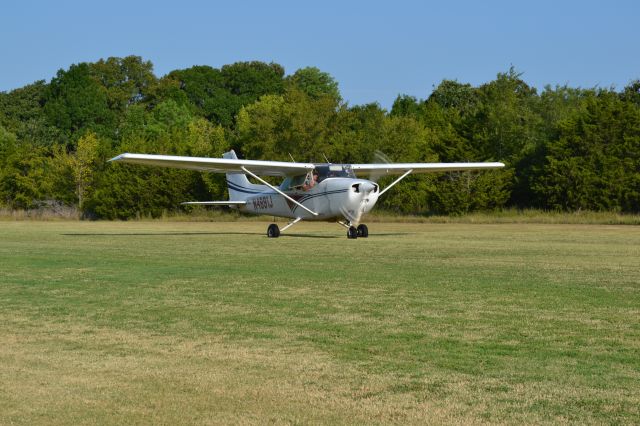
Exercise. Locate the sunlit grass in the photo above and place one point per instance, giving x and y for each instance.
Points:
(171, 322)
(206, 214)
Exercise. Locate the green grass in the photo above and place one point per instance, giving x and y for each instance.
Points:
(205, 214)
(170, 322)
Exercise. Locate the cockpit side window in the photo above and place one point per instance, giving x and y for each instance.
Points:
(293, 182)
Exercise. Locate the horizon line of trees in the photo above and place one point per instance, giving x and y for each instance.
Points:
(565, 148)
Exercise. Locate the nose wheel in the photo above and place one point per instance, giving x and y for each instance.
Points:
(361, 231)
(352, 233)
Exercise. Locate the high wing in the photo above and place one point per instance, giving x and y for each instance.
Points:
(218, 165)
(400, 168)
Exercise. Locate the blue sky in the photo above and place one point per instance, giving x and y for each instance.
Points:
(375, 50)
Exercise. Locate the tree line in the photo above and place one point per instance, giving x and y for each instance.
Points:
(565, 148)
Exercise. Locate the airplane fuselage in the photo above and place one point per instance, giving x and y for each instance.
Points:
(332, 198)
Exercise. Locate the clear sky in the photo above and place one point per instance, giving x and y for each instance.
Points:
(375, 50)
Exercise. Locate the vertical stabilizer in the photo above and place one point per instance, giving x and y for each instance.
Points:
(238, 184)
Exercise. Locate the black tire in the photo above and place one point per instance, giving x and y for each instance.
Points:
(363, 231)
(273, 231)
(352, 232)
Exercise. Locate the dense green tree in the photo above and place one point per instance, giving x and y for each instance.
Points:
(359, 134)
(24, 180)
(250, 80)
(565, 148)
(76, 101)
(631, 93)
(206, 91)
(593, 163)
(405, 105)
(407, 140)
(125, 80)
(203, 139)
(123, 191)
(292, 124)
(257, 128)
(21, 112)
(315, 83)
(460, 97)
(84, 165)
(505, 124)
(218, 94)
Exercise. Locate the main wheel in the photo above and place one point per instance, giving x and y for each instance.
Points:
(273, 231)
(352, 232)
(363, 231)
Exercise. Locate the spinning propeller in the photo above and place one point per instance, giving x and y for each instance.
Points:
(378, 157)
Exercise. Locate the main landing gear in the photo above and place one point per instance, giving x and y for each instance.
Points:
(352, 232)
(273, 231)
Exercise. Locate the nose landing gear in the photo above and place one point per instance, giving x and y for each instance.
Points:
(363, 231)
(352, 232)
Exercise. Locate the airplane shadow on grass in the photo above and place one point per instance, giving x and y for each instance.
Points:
(168, 234)
(151, 234)
(182, 234)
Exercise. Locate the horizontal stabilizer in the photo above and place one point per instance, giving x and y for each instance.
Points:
(214, 203)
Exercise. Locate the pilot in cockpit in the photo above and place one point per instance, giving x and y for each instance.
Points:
(311, 181)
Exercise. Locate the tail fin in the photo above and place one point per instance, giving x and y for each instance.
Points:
(238, 185)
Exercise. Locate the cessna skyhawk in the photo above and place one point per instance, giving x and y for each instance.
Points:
(309, 191)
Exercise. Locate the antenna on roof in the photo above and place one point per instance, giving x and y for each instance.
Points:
(325, 157)
(291, 156)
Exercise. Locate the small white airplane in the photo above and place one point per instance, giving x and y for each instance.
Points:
(326, 191)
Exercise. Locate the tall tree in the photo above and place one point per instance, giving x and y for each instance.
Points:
(405, 105)
(315, 83)
(126, 80)
(76, 101)
(205, 89)
(250, 80)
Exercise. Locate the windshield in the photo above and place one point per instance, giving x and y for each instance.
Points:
(334, 170)
(322, 171)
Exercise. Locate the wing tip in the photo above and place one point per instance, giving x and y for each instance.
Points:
(118, 157)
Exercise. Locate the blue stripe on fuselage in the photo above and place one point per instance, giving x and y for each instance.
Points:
(251, 191)
(309, 197)
(239, 188)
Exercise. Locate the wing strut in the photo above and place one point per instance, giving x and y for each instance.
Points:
(395, 181)
(214, 203)
(290, 224)
(276, 189)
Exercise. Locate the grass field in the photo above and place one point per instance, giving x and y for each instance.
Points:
(198, 323)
